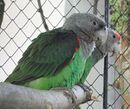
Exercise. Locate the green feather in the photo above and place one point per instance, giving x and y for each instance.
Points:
(90, 62)
(46, 56)
(67, 77)
(51, 61)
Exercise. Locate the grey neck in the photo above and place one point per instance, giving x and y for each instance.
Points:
(87, 48)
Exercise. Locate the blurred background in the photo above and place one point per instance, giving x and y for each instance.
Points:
(22, 23)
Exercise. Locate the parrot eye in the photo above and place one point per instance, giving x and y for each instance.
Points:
(114, 36)
(98, 38)
(94, 23)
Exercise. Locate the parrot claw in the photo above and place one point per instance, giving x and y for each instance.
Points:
(94, 98)
(77, 107)
(67, 92)
(85, 88)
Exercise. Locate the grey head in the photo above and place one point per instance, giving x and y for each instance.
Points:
(109, 46)
(87, 26)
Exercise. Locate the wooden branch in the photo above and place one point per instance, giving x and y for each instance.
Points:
(20, 97)
(2, 6)
(42, 15)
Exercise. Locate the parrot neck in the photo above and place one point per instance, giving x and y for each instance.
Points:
(103, 49)
(87, 48)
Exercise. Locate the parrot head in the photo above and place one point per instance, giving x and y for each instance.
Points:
(87, 26)
(111, 43)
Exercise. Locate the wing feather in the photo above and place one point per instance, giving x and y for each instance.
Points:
(47, 55)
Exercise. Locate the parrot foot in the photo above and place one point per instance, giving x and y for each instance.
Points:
(70, 93)
(77, 107)
(67, 92)
(85, 88)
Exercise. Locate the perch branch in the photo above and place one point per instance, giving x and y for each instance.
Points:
(19, 97)
(2, 5)
(42, 15)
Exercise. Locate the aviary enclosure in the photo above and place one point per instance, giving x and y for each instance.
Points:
(22, 22)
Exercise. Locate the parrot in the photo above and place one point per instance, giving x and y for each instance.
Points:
(110, 46)
(57, 58)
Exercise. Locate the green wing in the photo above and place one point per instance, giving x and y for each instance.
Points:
(48, 54)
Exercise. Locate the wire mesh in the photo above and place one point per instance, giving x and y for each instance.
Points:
(22, 23)
(120, 20)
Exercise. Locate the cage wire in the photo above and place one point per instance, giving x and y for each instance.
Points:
(23, 21)
(120, 20)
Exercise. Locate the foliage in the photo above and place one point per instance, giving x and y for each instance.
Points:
(119, 15)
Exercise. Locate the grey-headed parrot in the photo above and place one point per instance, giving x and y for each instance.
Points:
(57, 58)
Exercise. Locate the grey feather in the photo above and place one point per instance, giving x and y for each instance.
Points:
(87, 26)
